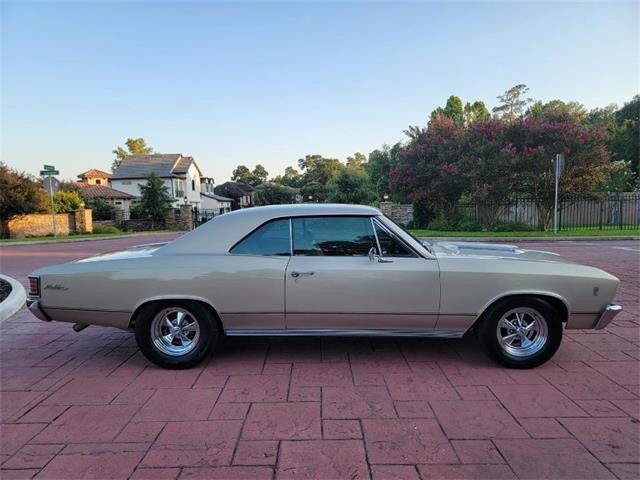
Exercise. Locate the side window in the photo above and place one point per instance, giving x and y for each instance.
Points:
(389, 245)
(272, 238)
(333, 236)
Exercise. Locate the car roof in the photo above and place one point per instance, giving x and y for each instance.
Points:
(222, 232)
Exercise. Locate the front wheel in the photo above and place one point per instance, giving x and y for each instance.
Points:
(521, 332)
(176, 334)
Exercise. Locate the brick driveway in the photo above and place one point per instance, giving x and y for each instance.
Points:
(89, 405)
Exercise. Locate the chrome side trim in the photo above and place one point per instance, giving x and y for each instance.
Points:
(338, 332)
(609, 312)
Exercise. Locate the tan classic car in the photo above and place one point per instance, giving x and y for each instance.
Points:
(325, 270)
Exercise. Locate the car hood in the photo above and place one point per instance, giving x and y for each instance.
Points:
(494, 250)
(137, 251)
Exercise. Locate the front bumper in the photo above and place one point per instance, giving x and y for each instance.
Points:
(34, 306)
(608, 314)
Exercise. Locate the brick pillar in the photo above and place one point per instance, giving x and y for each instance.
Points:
(83, 221)
(170, 219)
(186, 217)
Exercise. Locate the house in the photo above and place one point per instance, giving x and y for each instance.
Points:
(210, 201)
(241, 193)
(181, 175)
(94, 184)
(95, 177)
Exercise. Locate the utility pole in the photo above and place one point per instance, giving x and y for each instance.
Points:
(558, 164)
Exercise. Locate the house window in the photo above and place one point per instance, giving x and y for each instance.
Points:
(118, 203)
(97, 181)
(126, 182)
(193, 185)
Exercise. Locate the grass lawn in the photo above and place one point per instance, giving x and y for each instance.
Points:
(582, 232)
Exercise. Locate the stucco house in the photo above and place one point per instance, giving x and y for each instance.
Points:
(95, 177)
(209, 200)
(181, 175)
(94, 184)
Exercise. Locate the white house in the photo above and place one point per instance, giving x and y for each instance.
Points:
(209, 200)
(181, 175)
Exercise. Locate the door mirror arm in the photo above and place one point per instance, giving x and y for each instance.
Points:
(373, 255)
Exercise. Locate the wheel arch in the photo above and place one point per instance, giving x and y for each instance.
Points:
(556, 301)
(185, 298)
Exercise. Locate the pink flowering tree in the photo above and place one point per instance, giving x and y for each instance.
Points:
(428, 172)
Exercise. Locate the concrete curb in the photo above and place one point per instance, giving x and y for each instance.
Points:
(86, 239)
(530, 239)
(14, 301)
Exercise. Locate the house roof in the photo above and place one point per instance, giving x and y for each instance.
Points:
(237, 189)
(165, 165)
(95, 173)
(101, 191)
(219, 198)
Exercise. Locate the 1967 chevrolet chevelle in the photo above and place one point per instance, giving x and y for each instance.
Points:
(325, 270)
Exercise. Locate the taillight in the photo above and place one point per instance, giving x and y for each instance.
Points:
(34, 286)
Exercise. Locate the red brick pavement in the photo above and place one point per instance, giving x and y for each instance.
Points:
(89, 405)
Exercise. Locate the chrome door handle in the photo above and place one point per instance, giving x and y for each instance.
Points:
(299, 274)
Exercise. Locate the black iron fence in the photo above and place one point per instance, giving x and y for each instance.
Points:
(203, 215)
(608, 212)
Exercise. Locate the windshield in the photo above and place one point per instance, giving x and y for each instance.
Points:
(424, 243)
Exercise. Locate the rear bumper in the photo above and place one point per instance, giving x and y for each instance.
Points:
(34, 306)
(608, 314)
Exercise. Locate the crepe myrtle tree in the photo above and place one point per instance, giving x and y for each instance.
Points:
(534, 143)
(19, 194)
(155, 199)
(429, 172)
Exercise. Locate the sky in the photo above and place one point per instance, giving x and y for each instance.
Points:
(246, 83)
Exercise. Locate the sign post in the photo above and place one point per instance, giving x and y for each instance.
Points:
(558, 166)
(50, 171)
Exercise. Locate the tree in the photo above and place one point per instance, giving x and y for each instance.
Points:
(488, 165)
(66, 201)
(244, 175)
(101, 209)
(536, 141)
(557, 111)
(475, 112)
(319, 169)
(274, 194)
(135, 146)
(428, 171)
(314, 192)
(20, 194)
(357, 161)
(453, 110)
(381, 163)
(155, 199)
(512, 104)
(291, 178)
(624, 142)
(350, 186)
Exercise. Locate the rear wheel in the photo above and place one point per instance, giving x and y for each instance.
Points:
(521, 332)
(176, 334)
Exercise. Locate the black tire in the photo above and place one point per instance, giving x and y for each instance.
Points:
(487, 330)
(208, 333)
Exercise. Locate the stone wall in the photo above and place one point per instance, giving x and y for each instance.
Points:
(398, 212)
(41, 224)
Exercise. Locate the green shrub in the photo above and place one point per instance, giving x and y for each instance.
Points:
(67, 201)
(441, 224)
(105, 229)
(514, 227)
(469, 226)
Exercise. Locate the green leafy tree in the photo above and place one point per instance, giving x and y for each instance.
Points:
(557, 111)
(135, 146)
(314, 192)
(155, 199)
(66, 201)
(318, 169)
(243, 174)
(381, 163)
(351, 185)
(624, 142)
(274, 194)
(20, 194)
(453, 110)
(357, 161)
(513, 102)
(475, 112)
(101, 209)
(291, 178)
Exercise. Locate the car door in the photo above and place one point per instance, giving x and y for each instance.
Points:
(333, 284)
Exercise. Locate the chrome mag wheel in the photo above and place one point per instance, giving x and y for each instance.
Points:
(522, 332)
(175, 331)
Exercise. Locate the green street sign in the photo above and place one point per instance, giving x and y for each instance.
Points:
(49, 172)
(48, 167)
